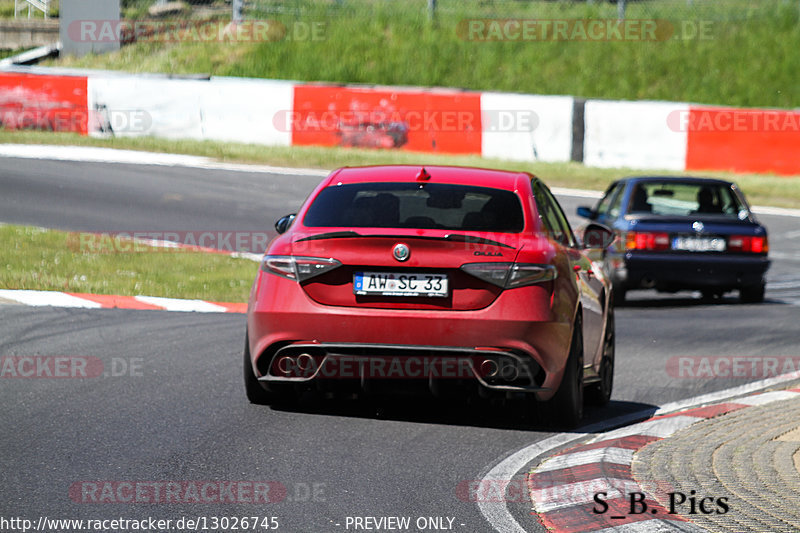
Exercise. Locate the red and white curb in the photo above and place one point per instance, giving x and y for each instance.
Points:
(103, 301)
(563, 486)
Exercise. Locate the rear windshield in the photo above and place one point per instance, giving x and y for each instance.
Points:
(414, 205)
(685, 199)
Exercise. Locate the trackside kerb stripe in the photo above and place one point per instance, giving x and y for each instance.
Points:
(706, 412)
(49, 298)
(563, 498)
(497, 512)
(118, 302)
(103, 301)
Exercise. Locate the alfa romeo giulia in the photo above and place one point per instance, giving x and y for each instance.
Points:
(399, 278)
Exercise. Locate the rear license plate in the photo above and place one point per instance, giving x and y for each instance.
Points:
(400, 284)
(699, 244)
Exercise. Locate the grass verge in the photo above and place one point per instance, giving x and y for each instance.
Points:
(778, 191)
(51, 260)
(731, 52)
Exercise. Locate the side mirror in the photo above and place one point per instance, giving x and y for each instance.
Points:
(283, 223)
(597, 236)
(585, 212)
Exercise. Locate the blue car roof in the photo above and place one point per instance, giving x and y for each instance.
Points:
(674, 179)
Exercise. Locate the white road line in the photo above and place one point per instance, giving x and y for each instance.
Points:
(661, 428)
(47, 298)
(580, 493)
(496, 513)
(620, 456)
(789, 284)
(173, 304)
(112, 155)
(579, 193)
(768, 397)
(785, 256)
(94, 154)
(777, 211)
(501, 519)
(655, 526)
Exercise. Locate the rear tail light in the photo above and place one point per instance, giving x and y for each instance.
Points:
(510, 275)
(641, 240)
(749, 244)
(297, 268)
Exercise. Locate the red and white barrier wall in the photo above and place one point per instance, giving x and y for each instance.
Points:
(55, 103)
(633, 135)
(523, 127)
(611, 134)
(743, 140)
(221, 109)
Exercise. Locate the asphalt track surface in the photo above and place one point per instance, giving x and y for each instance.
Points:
(178, 412)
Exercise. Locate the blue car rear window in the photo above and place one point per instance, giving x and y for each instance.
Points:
(685, 199)
(414, 205)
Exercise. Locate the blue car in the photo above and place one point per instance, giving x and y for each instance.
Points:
(682, 233)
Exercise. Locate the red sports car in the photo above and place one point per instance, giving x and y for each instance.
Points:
(396, 278)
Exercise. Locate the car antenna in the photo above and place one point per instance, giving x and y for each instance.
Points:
(423, 175)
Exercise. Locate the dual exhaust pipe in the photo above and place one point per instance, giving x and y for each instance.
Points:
(489, 368)
(290, 364)
(496, 370)
(506, 371)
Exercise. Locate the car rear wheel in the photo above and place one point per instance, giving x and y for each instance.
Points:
(600, 393)
(565, 409)
(255, 392)
(618, 295)
(752, 294)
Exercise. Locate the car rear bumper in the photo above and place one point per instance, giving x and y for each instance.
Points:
(520, 325)
(670, 271)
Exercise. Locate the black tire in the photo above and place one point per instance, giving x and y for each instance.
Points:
(618, 293)
(752, 294)
(565, 409)
(600, 393)
(256, 393)
(711, 294)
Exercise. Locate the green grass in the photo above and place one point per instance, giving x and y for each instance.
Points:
(750, 58)
(7, 9)
(39, 259)
(780, 191)
(8, 53)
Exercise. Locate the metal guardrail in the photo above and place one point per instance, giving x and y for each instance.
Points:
(41, 5)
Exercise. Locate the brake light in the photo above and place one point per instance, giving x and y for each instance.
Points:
(510, 275)
(297, 268)
(645, 240)
(748, 244)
